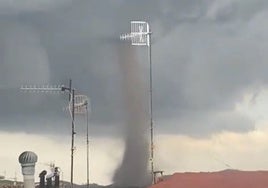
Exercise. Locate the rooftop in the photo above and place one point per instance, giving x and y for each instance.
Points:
(222, 179)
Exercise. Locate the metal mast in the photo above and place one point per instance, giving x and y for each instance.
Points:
(82, 106)
(87, 147)
(140, 35)
(151, 107)
(71, 101)
(72, 108)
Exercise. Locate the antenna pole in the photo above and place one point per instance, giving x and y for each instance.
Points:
(87, 147)
(73, 133)
(141, 36)
(72, 104)
(151, 107)
(70, 88)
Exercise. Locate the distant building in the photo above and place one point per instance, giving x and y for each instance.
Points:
(10, 184)
(222, 179)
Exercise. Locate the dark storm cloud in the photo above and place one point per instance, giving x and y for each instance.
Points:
(8, 7)
(206, 55)
(222, 11)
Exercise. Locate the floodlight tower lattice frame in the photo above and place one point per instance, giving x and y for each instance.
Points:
(140, 35)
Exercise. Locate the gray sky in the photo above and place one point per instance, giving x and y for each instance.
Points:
(206, 54)
(209, 74)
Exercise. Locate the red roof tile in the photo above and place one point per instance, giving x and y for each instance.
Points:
(222, 179)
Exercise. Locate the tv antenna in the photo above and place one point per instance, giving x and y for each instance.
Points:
(82, 106)
(140, 35)
(75, 106)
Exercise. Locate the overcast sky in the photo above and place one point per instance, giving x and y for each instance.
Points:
(209, 73)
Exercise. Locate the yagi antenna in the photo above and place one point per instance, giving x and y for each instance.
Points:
(42, 88)
(140, 35)
(77, 104)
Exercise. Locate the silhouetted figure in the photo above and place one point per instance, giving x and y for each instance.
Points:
(42, 178)
(57, 177)
(49, 182)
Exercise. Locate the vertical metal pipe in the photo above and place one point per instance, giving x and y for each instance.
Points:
(73, 133)
(70, 89)
(87, 146)
(151, 108)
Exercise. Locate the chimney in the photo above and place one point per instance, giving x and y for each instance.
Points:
(27, 160)
(57, 177)
(42, 178)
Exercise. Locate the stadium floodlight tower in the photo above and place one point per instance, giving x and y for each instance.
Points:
(140, 35)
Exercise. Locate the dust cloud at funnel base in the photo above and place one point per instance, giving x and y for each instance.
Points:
(133, 170)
